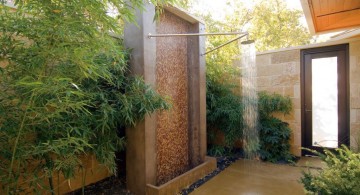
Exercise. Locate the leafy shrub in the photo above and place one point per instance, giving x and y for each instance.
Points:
(65, 90)
(224, 112)
(274, 134)
(216, 150)
(341, 176)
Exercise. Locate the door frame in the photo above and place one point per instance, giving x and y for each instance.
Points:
(303, 53)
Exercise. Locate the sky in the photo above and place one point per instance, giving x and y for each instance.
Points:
(218, 8)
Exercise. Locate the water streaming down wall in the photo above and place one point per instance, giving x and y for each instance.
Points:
(172, 80)
(249, 98)
(167, 150)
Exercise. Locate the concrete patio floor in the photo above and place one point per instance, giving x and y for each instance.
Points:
(248, 177)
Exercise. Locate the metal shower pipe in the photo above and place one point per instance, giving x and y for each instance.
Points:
(195, 34)
(243, 34)
(222, 45)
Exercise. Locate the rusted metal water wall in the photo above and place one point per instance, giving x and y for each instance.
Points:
(172, 81)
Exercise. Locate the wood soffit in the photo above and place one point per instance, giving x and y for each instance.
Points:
(331, 15)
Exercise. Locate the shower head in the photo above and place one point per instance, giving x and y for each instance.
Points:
(247, 42)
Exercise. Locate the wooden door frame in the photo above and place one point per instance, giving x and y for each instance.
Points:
(303, 53)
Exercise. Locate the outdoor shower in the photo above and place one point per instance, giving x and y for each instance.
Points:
(169, 54)
(247, 42)
(249, 85)
(249, 99)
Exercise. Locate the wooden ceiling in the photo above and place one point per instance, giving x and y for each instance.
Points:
(331, 15)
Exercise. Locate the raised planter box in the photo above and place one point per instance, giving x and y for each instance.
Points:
(93, 172)
(175, 185)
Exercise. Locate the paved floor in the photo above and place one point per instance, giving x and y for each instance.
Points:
(312, 162)
(248, 177)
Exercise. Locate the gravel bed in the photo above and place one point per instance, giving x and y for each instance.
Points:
(117, 185)
(110, 186)
(222, 163)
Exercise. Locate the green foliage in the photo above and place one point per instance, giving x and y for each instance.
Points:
(66, 89)
(216, 150)
(220, 63)
(274, 134)
(224, 111)
(273, 103)
(341, 176)
(274, 26)
(224, 106)
(223, 103)
(269, 22)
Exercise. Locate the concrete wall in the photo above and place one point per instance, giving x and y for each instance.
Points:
(279, 72)
(141, 140)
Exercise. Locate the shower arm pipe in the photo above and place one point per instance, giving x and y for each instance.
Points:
(227, 43)
(195, 34)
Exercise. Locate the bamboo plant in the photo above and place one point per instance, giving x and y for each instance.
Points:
(65, 88)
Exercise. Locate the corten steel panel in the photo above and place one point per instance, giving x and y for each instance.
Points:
(194, 100)
(202, 97)
(197, 96)
(172, 81)
(179, 183)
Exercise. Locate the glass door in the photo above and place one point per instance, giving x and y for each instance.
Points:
(325, 107)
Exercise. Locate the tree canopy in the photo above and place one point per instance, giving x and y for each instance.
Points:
(272, 25)
(269, 22)
(275, 26)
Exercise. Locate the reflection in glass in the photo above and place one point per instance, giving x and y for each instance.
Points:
(325, 102)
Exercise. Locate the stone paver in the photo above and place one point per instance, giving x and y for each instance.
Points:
(246, 177)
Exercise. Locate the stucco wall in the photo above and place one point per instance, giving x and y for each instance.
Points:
(279, 72)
